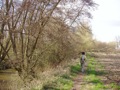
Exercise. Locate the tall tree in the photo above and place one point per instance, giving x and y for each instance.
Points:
(24, 22)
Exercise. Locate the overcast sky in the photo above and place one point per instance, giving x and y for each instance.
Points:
(106, 20)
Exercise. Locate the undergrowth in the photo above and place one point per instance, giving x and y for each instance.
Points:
(65, 81)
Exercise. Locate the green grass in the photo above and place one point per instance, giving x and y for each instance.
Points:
(91, 76)
(94, 82)
(113, 85)
(74, 70)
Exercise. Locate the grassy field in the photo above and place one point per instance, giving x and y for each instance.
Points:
(95, 77)
(92, 79)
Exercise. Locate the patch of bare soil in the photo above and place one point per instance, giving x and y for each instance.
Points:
(111, 65)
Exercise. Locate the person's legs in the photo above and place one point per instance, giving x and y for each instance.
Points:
(82, 67)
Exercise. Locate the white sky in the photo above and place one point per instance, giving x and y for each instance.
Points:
(106, 20)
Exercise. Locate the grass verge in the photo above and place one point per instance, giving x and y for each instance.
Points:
(65, 81)
(91, 77)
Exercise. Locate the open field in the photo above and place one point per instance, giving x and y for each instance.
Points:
(102, 73)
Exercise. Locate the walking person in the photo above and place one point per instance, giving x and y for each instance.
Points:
(82, 61)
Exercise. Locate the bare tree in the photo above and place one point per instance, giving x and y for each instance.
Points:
(23, 24)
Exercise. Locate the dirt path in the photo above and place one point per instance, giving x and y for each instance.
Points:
(78, 82)
(111, 64)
